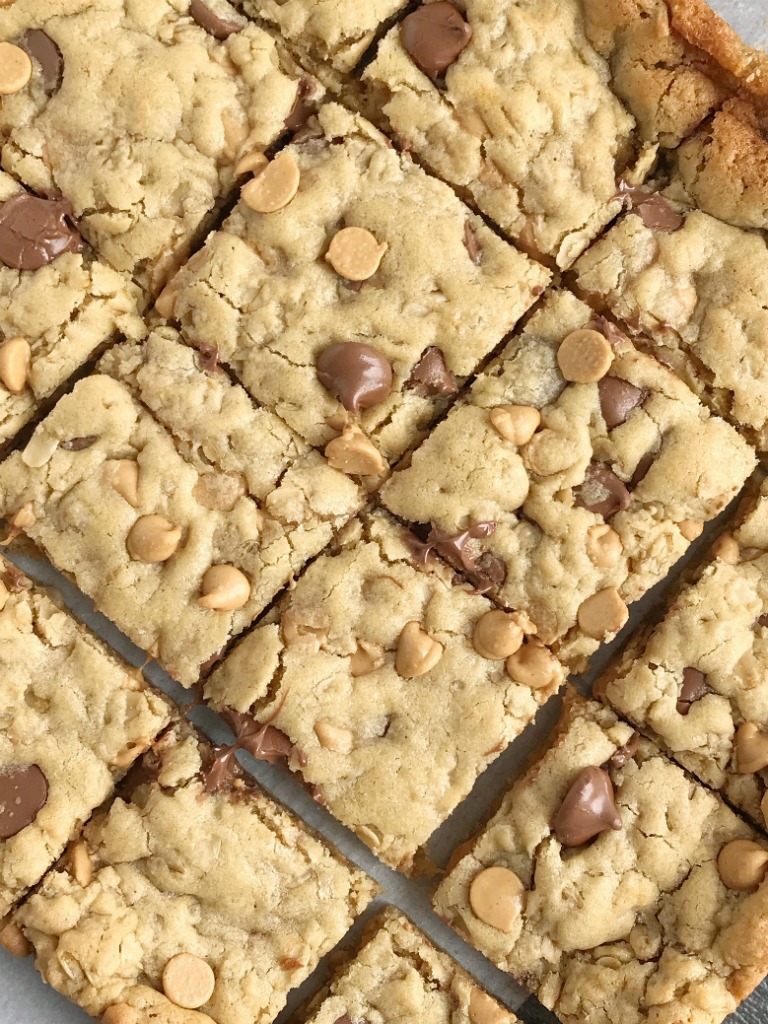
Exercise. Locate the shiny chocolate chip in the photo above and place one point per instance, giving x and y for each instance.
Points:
(358, 375)
(472, 243)
(23, 794)
(589, 808)
(641, 470)
(602, 492)
(79, 444)
(431, 376)
(303, 106)
(45, 51)
(623, 755)
(693, 688)
(434, 36)
(618, 399)
(219, 28)
(34, 231)
(656, 212)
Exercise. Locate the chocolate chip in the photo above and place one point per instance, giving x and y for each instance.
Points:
(34, 231)
(264, 742)
(589, 808)
(221, 770)
(641, 470)
(358, 375)
(763, 620)
(207, 356)
(602, 492)
(434, 36)
(79, 444)
(459, 547)
(219, 28)
(431, 376)
(618, 398)
(694, 687)
(654, 210)
(623, 755)
(610, 331)
(303, 106)
(23, 794)
(490, 572)
(471, 243)
(344, 1019)
(45, 51)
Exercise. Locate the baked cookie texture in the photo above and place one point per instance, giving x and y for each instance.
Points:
(594, 490)
(59, 304)
(142, 156)
(198, 899)
(501, 112)
(695, 682)
(438, 298)
(173, 550)
(366, 666)
(73, 719)
(399, 975)
(589, 884)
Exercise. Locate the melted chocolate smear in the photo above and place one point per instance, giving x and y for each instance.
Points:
(654, 210)
(219, 28)
(265, 742)
(44, 50)
(431, 377)
(34, 231)
(79, 444)
(624, 755)
(303, 108)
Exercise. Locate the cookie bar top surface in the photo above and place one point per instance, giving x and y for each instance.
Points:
(194, 900)
(72, 720)
(399, 975)
(697, 681)
(58, 304)
(594, 489)
(701, 293)
(590, 882)
(440, 290)
(171, 549)
(127, 100)
(371, 672)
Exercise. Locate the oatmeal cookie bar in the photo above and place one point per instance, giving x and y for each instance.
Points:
(358, 308)
(58, 303)
(197, 899)
(398, 975)
(614, 886)
(592, 465)
(72, 721)
(697, 682)
(138, 113)
(173, 550)
(387, 689)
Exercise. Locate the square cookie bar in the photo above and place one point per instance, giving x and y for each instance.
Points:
(58, 303)
(193, 898)
(697, 681)
(615, 887)
(72, 720)
(499, 102)
(573, 477)
(398, 975)
(137, 113)
(387, 689)
(359, 307)
(169, 547)
(698, 287)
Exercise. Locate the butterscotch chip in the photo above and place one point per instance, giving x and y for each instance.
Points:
(119, 1013)
(123, 476)
(274, 187)
(152, 539)
(497, 635)
(743, 865)
(584, 356)
(15, 357)
(534, 665)
(15, 69)
(367, 658)
(334, 737)
(417, 652)
(224, 588)
(355, 253)
(603, 546)
(726, 548)
(13, 939)
(353, 453)
(485, 1010)
(251, 163)
(751, 749)
(691, 529)
(80, 860)
(188, 981)
(515, 423)
(496, 896)
(603, 613)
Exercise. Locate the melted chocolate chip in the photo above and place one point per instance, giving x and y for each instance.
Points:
(45, 51)
(219, 28)
(207, 356)
(434, 36)
(623, 755)
(344, 1019)
(471, 243)
(459, 547)
(264, 742)
(222, 770)
(589, 808)
(609, 330)
(23, 794)
(490, 573)
(34, 231)
(79, 444)
(602, 492)
(641, 470)
(654, 210)
(693, 688)
(14, 579)
(143, 772)
(303, 108)
(618, 399)
(422, 551)
(358, 375)
(431, 376)
(763, 620)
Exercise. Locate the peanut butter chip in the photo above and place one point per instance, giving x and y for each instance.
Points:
(417, 652)
(274, 187)
(188, 981)
(604, 546)
(496, 896)
(751, 749)
(15, 69)
(515, 423)
(602, 614)
(13, 939)
(585, 356)
(497, 635)
(367, 658)
(355, 254)
(334, 737)
(726, 548)
(224, 589)
(485, 1010)
(119, 1013)
(354, 454)
(251, 163)
(691, 529)
(743, 865)
(534, 665)
(82, 869)
(123, 476)
(15, 357)
(152, 539)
